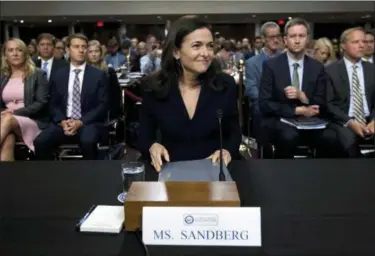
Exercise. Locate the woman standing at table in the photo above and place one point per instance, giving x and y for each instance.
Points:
(182, 101)
(95, 58)
(24, 96)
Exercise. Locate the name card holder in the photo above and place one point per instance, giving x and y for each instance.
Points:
(175, 193)
(202, 226)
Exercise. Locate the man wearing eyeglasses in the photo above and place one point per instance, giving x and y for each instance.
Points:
(270, 33)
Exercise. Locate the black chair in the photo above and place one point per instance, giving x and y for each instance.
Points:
(22, 152)
(367, 147)
(303, 151)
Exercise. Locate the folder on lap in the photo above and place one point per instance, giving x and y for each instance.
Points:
(305, 123)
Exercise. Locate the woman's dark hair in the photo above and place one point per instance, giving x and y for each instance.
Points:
(171, 69)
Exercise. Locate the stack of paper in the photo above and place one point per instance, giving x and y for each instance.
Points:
(104, 219)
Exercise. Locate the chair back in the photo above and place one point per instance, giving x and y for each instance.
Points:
(115, 95)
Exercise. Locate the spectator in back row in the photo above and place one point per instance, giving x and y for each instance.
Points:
(46, 49)
(151, 61)
(59, 50)
(258, 45)
(114, 58)
(323, 51)
(125, 49)
(224, 56)
(369, 47)
(270, 32)
(134, 44)
(24, 95)
(136, 57)
(32, 50)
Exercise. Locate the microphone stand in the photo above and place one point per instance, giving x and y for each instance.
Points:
(221, 173)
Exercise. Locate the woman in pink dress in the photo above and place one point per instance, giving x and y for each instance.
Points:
(24, 94)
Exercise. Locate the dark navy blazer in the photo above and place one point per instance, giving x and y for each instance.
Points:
(196, 138)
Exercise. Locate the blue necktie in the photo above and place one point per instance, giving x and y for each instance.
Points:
(45, 68)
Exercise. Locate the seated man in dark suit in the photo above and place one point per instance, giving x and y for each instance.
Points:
(351, 93)
(292, 85)
(79, 105)
(45, 60)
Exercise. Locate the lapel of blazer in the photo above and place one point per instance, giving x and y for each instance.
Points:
(85, 83)
(38, 62)
(4, 81)
(29, 84)
(64, 88)
(54, 66)
(305, 75)
(343, 73)
(368, 71)
(285, 70)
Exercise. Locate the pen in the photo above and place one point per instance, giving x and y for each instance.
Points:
(78, 226)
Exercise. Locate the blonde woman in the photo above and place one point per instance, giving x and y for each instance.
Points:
(23, 98)
(324, 52)
(95, 58)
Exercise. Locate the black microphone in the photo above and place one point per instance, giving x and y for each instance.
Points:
(219, 115)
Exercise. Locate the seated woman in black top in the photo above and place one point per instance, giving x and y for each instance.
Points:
(181, 101)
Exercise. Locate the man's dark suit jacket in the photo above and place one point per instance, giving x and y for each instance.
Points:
(56, 64)
(94, 95)
(36, 96)
(196, 138)
(248, 54)
(338, 90)
(275, 78)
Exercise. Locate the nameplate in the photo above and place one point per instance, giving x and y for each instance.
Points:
(202, 226)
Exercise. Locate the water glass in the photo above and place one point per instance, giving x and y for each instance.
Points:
(132, 171)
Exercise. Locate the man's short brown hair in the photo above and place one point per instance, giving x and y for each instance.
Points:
(76, 36)
(294, 22)
(47, 36)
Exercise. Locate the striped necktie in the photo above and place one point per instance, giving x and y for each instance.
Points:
(359, 114)
(76, 106)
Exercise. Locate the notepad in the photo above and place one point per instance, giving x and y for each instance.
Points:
(104, 219)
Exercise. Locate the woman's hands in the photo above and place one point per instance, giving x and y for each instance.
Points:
(216, 156)
(157, 152)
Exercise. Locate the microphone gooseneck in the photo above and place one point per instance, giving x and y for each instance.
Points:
(219, 115)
